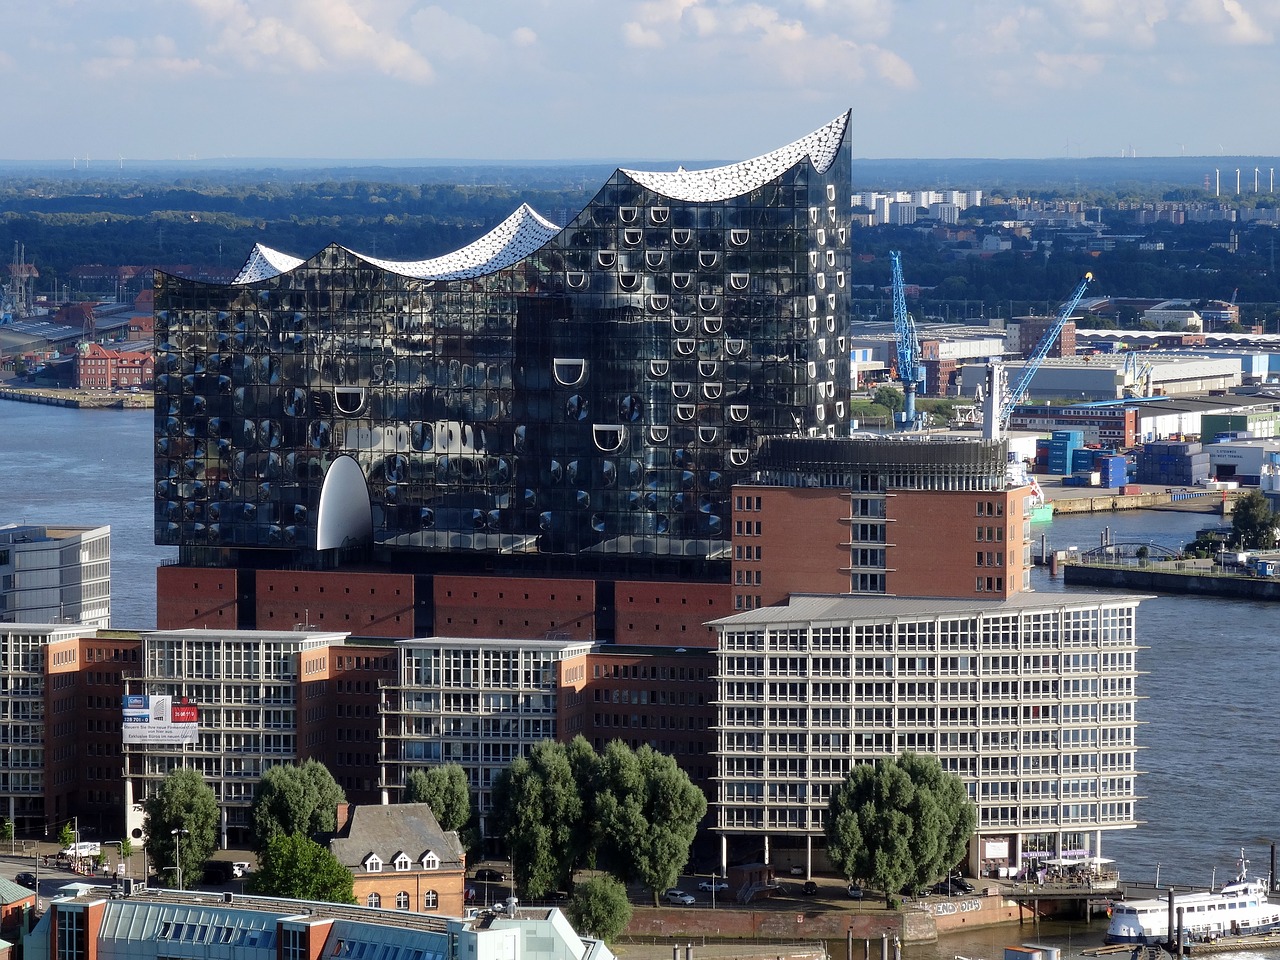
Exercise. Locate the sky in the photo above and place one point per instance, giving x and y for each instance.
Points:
(619, 80)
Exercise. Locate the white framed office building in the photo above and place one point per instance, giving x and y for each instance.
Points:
(479, 703)
(51, 574)
(1030, 700)
(258, 693)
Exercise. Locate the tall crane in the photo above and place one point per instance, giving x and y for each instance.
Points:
(910, 372)
(998, 403)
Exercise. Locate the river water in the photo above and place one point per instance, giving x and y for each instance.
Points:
(1210, 757)
(60, 465)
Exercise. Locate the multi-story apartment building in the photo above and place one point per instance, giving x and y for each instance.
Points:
(54, 574)
(1030, 700)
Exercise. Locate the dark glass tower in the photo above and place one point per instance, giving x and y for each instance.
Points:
(591, 391)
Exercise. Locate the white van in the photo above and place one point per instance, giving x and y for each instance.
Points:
(87, 848)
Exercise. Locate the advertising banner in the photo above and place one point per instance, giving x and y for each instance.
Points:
(160, 720)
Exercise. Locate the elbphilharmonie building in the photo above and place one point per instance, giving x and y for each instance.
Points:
(576, 397)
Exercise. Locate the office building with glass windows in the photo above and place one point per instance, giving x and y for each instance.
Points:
(548, 400)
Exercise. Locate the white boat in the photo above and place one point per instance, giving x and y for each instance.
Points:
(1240, 908)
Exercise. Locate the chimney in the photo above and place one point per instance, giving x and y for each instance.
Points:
(343, 817)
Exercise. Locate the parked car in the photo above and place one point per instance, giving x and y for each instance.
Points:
(27, 879)
(707, 886)
(962, 883)
(489, 875)
(240, 868)
(679, 897)
(954, 887)
(854, 890)
(810, 888)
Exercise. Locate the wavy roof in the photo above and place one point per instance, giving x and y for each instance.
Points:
(721, 183)
(510, 241)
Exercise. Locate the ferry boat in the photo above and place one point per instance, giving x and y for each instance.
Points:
(1240, 908)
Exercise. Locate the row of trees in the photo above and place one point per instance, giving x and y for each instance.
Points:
(897, 825)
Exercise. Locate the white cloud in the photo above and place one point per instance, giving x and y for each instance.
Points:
(524, 37)
(311, 36)
(1228, 20)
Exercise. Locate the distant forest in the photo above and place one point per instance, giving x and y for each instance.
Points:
(208, 221)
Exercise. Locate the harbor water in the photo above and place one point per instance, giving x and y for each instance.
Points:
(1210, 748)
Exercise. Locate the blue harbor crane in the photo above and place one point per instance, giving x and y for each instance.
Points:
(910, 372)
(999, 403)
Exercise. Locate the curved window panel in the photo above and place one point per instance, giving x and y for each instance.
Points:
(739, 238)
(738, 412)
(658, 302)
(681, 237)
(569, 371)
(609, 437)
(606, 258)
(681, 281)
(628, 214)
(658, 368)
(659, 215)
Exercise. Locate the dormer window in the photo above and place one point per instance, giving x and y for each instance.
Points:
(402, 861)
(430, 861)
(373, 863)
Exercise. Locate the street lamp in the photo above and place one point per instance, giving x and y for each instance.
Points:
(178, 834)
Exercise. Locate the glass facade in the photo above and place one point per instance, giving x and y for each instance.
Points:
(599, 394)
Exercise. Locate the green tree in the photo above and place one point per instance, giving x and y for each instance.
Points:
(900, 823)
(648, 812)
(66, 836)
(126, 855)
(184, 802)
(444, 789)
(1253, 522)
(294, 799)
(599, 908)
(889, 398)
(297, 867)
(6, 833)
(539, 812)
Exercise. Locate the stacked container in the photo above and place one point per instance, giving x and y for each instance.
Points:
(1062, 444)
(1172, 463)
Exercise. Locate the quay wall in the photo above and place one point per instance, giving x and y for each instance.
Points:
(79, 399)
(1146, 579)
(919, 924)
(1140, 501)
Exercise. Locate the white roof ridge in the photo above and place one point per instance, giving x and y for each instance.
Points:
(264, 263)
(523, 232)
(735, 179)
(509, 242)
